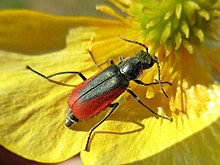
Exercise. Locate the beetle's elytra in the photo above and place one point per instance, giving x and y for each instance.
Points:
(98, 92)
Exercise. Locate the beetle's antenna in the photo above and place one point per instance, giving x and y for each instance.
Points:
(135, 42)
(159, 80)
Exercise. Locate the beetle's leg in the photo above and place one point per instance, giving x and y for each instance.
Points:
(139, 101)
(121, 58)
(59, 73)
(69, 72)
(113, 106)
(56, 74)
(98, 65)
(153, 83)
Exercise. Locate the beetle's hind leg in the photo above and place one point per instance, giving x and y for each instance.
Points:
(113, 106)
(56, 74)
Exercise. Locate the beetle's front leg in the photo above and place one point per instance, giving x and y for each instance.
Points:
(149, 109)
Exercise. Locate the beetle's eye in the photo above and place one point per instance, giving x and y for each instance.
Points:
(148, 63)
(151, 62)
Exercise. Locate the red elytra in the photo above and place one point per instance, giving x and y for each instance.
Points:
(85, 110)
(89, 109)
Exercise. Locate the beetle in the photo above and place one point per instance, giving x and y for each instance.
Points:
(98, 92)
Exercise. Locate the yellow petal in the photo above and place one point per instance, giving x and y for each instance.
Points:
(108, 10)
(32, 32)
(107, 44)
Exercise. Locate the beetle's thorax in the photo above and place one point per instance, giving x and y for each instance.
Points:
(133, 67)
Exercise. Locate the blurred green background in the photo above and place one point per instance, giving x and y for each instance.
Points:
(58, 7)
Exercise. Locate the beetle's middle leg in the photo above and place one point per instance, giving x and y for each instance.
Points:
(113, 106)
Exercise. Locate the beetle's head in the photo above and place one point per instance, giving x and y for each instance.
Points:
(146, 60)
(133, 67)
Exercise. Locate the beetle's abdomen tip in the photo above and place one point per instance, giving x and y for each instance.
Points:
(70, 118)
(68, 123)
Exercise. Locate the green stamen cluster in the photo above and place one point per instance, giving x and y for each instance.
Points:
(176, 23)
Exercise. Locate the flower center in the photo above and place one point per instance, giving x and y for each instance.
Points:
(174, 23)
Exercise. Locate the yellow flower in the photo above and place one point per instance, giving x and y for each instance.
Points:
(180, 33)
